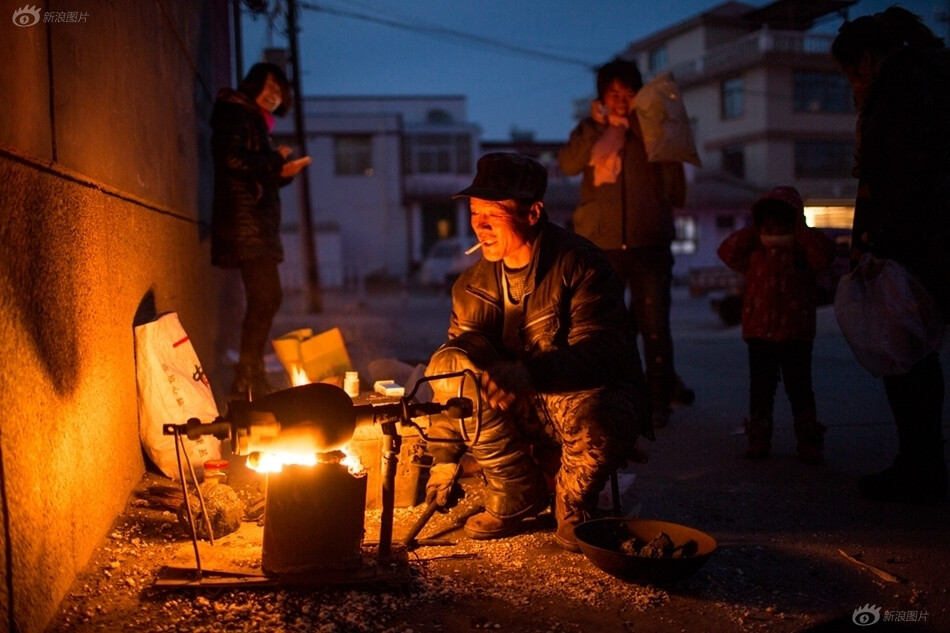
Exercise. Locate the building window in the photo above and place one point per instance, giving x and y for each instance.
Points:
(732, 105)
(733, 161)
(353, 154)
(438, 154)
(823, 159)
(685, 242)
(434, 153)
(822, 92)
(657, 59)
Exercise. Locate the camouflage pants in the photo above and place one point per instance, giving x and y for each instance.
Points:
(583, 436)
(595, 432)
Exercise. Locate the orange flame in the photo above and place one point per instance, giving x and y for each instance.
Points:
(298, 446)
(353, 463)
(298, 376)
(274, 462)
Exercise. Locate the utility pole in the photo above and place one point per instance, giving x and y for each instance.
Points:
(238, 41)
(313, 300)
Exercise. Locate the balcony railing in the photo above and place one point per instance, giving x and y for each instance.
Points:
(751, 48)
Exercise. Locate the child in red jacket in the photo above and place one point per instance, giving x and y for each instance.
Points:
(781, 257)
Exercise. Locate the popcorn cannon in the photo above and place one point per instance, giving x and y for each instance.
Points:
(315, 498)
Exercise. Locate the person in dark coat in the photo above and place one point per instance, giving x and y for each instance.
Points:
(540, 319)
(780, 257)
(900, 74)
(626, 208)
(246, 217)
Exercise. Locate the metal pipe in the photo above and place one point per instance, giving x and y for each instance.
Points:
(390, 461)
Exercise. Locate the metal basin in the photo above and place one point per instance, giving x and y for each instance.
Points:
(601, 539)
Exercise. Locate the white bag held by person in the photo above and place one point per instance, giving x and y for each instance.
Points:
(887, 316)
(667, 134)
(172, 389)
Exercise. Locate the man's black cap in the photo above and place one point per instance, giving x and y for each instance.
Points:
(507, 176)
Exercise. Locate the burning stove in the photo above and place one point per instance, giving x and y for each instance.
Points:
(313, 520)
(315, 496)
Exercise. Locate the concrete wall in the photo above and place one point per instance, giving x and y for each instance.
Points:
(104, 187)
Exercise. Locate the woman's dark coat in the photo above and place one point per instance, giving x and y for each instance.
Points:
(245, 220)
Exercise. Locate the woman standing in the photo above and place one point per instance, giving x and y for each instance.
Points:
(245, 221)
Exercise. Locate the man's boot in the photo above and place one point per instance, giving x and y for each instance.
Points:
(507, 504)
(810, 435)
(515, 488)
(567, 520)
(514, 485)
(759, 431)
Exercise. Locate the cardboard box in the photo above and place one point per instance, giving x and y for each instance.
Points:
(321, 356)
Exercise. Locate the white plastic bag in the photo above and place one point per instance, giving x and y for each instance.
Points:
(667, 134)
(172, 388)
(888, 318)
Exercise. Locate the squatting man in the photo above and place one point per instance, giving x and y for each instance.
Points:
(540, 318)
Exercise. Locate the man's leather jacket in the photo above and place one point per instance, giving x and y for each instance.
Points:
(576, 331)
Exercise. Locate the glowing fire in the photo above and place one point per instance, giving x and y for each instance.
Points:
(298, 446)
(275, 462)
(353, 464)
(298, 376)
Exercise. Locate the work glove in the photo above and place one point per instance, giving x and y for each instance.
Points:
(443, 487)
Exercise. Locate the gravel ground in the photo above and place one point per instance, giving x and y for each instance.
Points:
(523, 583)
(798, 549)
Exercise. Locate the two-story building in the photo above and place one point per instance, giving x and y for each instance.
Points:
(768, 106)
(381, 184)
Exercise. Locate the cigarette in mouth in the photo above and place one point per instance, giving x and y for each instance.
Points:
(473, 248)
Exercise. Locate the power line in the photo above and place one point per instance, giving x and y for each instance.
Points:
(439, 31)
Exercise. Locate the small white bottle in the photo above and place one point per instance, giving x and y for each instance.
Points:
(351, 384)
